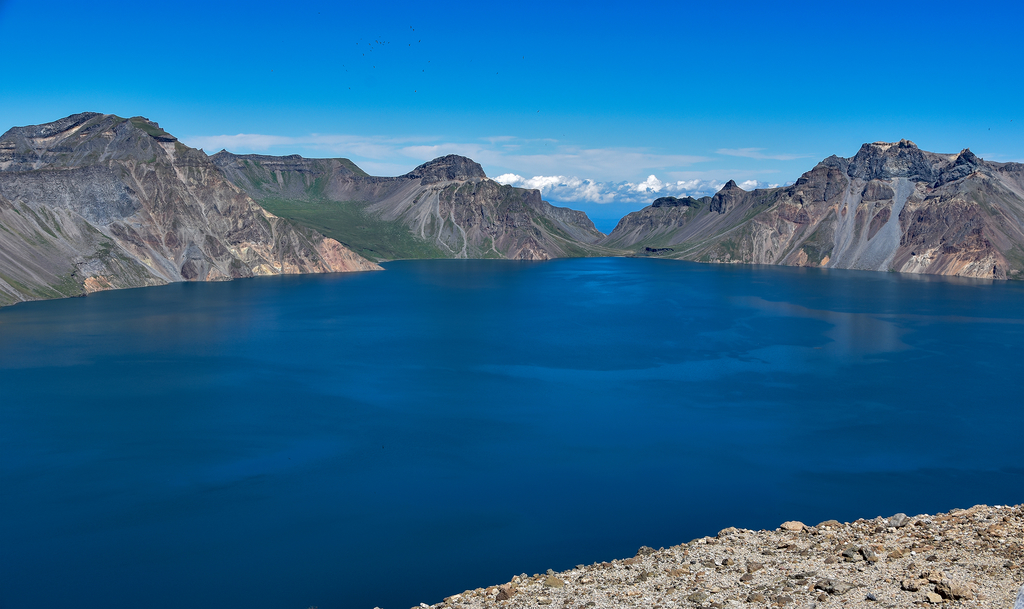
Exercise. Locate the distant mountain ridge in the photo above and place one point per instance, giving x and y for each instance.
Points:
(445, 208)
(890, 207)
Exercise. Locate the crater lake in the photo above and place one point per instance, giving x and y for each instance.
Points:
(390, 438)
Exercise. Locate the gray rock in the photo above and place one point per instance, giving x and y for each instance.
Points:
(1019, 604)
(834, 587)
(899, 520)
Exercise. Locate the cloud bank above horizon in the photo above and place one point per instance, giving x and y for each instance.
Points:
(574, 189)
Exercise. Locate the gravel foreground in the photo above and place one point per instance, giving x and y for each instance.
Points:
(964, 558)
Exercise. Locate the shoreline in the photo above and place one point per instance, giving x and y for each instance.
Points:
(962, 558)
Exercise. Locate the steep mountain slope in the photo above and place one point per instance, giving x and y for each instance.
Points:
(891, 207)
(95, 201)
(446, 208)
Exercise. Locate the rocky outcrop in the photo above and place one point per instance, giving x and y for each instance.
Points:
(969, 557)
(445, 208)
(95, 201)
(891, 207)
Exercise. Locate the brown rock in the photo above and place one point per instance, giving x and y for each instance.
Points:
(505, 592)
(933, 597)
(792, 525)
(728, 531)
(756, 597)
(956, 590)
(754, 567)
(553, 582)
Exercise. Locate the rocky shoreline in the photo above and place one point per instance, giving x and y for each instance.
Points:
(963, 558)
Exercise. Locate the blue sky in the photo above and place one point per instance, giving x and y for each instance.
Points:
(585, 101)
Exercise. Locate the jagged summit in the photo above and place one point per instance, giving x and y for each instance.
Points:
(447, 168)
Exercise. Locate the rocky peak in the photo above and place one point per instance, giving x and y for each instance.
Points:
(47, 130)
(726, 198)
(674, 202)
(884, 160)
(447, 168)
(962, 166)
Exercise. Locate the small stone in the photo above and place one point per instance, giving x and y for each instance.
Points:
(551, 571)
(754, 567)
(822, 597)
(553, 582)
(932, 558)
(1019, 604)
(933, 597)
(645, 551)
(756, 597)
(851, 553)
(840, 588)
(784, 599)
(832, 524)
(955, 590)
(871, 597)
(728, 531)
(869, 554)
(543, 600)
(728, 562)
(834, 587)
(698, 597)
(746, 577)
(899, 520)
(831, 560)
(792, 525)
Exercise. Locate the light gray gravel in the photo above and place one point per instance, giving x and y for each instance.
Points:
(964, 558)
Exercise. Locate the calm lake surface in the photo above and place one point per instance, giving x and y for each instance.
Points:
(396, 437)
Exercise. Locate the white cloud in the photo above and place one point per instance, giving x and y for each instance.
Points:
(755, 153)
(571, 189)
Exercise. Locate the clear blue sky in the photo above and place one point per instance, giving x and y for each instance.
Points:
(605, 94)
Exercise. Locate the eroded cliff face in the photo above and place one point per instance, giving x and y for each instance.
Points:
(448, 205)
(891, 207)
(95, 201)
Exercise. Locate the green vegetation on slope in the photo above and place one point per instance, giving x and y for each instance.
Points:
(348, 222)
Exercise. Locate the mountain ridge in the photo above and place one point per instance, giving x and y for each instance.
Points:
(95, 201)
(890, 207)
(444, 208)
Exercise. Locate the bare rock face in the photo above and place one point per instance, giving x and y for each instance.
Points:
(447, 169)
(445, 208)
(95, 201)
(891, 207)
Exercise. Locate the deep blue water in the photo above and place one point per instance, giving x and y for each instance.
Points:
(391, 438)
